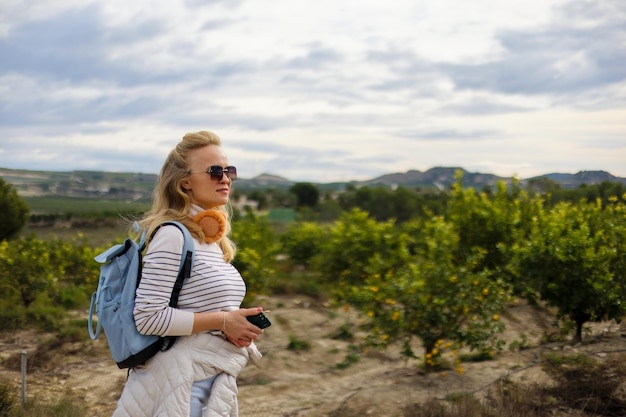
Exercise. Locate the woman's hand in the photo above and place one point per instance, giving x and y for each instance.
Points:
(238, 329)
(238, 343)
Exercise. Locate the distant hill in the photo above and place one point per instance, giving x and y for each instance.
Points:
(569, 181)
(443, 177)
(438, 177)
(115, 185)
(264, 181)
(138, 186)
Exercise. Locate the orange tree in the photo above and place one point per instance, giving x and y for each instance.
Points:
(13, 212)
(408, 282)
(64, 271)
(575, 258)
(357, 247)
(75, 271)
(257, 247)
(492, 220)
(40, 279)
(301, 242)
(457, 301)
(25, 270)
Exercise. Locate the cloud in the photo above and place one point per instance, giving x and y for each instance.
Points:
(569, 57)
(483, 106)
(450, 135)
(325, 89)
(68, 46)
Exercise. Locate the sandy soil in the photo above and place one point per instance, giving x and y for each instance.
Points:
(308, 383)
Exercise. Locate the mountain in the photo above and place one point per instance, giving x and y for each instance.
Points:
(115, 185)
(138, 186)
(438, 177)
(570, 181)
(264, 181)
(443, 177)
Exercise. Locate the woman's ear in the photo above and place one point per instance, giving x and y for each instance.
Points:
(186, 185)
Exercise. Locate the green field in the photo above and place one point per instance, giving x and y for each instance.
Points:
(86, 207)
(97, 221)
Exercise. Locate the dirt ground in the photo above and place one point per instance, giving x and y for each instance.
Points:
(290, 383)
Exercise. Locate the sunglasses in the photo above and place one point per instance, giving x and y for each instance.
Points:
(217, 172)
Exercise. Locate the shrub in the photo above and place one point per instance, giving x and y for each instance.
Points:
(584, 383)
(257, 248)
(301, 242)
(297, 344)
(7, 398)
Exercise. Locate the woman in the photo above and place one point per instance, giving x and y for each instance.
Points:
(196, 377)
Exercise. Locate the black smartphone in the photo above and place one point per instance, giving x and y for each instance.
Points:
(260, 320)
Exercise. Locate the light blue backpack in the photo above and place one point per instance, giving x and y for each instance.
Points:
(114, 300)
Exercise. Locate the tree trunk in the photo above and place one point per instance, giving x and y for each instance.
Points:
(428, 349)
(578, 337)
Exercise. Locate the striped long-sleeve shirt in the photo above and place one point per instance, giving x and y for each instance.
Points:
(214, 285)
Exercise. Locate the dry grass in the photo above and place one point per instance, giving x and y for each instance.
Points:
(583, 386)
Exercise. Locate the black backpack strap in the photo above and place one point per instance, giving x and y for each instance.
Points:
(183, 274)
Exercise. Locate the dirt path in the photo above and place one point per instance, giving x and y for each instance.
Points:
(307, 382)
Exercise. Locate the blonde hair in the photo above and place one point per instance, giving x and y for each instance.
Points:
(170, 201)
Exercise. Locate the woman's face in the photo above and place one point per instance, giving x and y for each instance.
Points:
(203, 189)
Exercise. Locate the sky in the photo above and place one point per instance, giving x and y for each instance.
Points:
(320, 91)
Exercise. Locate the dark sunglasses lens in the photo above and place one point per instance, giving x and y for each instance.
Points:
(218, 172)
(232, 173)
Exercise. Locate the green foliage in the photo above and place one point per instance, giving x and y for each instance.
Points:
(76, 272)
(257, 248)
(402, 204)
(492, 221)
(67, 405)
(297, 280)
(356, 247)
(12, 316)
(521, 344)
(413, 281)
(8, 401)
(571, 256)
(40, 315)
(64, 271)
(440, 279)
(575, 258)
(25, 270)
(260, 196)
(13, 212)
(344, 333)
(273, 197)
(46, 317)
(434, 296)
(605, 191)
(353, 356)
(301, 242)
(64, 208)
(307, 194)
(298, 345)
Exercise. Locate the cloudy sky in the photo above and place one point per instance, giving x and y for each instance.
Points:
(321, 91)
